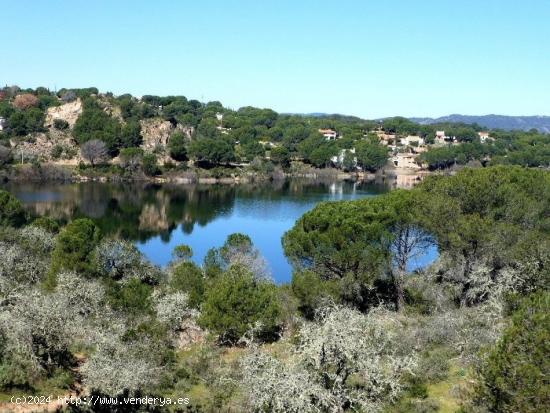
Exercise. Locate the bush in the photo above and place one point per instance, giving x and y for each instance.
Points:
(188, 278)
(23, 122)
(56, 151)
(131, 159)
(434, 366)
(74, 246)
(176, 146)
(514, 377)
(149, 164)
(69, 96)
(280, 155)
(236, 302)
(47, 223)
(312, 292)
(11, 210)
(25, 101)
(133, 297)
(60, 124)
(6, 156)
(94, 123)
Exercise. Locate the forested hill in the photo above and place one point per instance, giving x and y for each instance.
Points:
(541, 123)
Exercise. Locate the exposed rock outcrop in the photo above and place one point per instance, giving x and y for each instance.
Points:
(41, 146)
(190, 334)
(156, 133)
(69, 112)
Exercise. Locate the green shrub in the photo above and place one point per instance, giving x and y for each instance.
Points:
(280, 155)
(131, 159)
(6, 156)
(189, 278)
(94, 123)
(236, 302)
(515, 376)
(434, 365)
(60, 124)
(133, 297)
(56, 151)
(74, 246)
(183, 252)
(47, 223)
(176, 146)
(149, 164)
(312, 292)
(415, 406)
(11, 210)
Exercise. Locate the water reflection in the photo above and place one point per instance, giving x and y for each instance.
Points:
(159, 217)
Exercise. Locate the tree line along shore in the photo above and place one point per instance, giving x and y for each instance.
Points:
(84, 134)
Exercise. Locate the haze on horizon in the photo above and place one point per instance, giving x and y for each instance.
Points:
(366, 58)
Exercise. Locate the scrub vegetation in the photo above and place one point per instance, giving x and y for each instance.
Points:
(355, 331)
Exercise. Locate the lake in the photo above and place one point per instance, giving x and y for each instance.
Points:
(159, 217)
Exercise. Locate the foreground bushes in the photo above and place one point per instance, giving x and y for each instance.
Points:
(344, 361)
(11, 210)
(516, 375)
(74, 246)
(135, 327)
(236, 302)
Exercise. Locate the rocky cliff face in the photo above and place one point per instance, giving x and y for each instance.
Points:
(42, 146)
(156, 133)
(69, 112)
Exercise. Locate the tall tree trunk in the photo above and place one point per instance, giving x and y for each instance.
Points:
(399, 280)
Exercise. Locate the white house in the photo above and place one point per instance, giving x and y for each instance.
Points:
(440, 137)
(406, 160)
(484, 137)
(329, 134)
(2, 123)
(412, 140)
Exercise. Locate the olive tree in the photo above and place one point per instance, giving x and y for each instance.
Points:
(94, 151)
(116, 366)
(39, 327)
(122, 261)
(345, 360)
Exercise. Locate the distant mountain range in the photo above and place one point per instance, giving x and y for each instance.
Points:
(542, 123)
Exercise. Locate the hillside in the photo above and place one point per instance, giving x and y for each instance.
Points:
(541, 123)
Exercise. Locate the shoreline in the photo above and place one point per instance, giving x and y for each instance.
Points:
(52, 172)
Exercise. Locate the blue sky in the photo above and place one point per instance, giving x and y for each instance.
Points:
(366, 58)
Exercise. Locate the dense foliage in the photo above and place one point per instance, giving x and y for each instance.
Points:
(11, 210)
(515, 376)
(212, 135)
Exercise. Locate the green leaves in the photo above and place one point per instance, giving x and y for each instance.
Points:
(371, 156)
(74, 246)
(514, 377)
(236, 302)
(11, 210)
(339, 238)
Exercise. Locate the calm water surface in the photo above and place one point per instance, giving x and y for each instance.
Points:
(159, 217)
